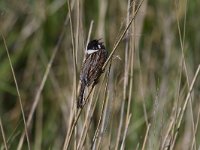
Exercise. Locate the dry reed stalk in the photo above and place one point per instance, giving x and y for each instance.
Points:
(73, 120)
(125, 82)
(101, 123)
(179, 121)
(125, 132)
(145, 138)
(122, 36)
(74, 65)
(39, 91)
(3, 135)
(18, 93)
(182, 42)
(196, 127)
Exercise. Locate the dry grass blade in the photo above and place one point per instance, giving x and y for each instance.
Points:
(114, 49)
(174, 117)
(196, 127)
(122, 36)
(99, 131)
(102, 122)
(182, 42)
(37, 97)
(126, 71)
(146, 135)
(91, 111)
(73, 124)
(125, 84)
(68, 137)
(18, 93)
(73, 46)
(125, 131)
(169, 129)
(74, 59)
(3, 135)
(142, 103)
(89, 33)
(86, 124)
(186, 102)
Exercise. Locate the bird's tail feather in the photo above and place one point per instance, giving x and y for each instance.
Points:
(80, 101)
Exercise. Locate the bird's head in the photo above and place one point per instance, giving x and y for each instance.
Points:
(94, 45)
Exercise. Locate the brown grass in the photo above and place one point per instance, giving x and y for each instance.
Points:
(147, 98)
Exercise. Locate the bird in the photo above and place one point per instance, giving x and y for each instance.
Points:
(96, 56)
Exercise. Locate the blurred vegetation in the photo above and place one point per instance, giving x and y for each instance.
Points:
(161, 80)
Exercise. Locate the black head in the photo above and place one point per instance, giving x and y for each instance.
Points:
(95, 45)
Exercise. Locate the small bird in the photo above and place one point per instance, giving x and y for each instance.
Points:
(96, 56)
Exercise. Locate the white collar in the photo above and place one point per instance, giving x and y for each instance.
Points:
(90, 51)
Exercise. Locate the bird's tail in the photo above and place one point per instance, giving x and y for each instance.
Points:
(80, 101)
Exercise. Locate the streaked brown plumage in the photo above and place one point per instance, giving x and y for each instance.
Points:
(92, 67)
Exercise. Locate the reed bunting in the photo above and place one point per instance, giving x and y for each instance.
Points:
(96, 56)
